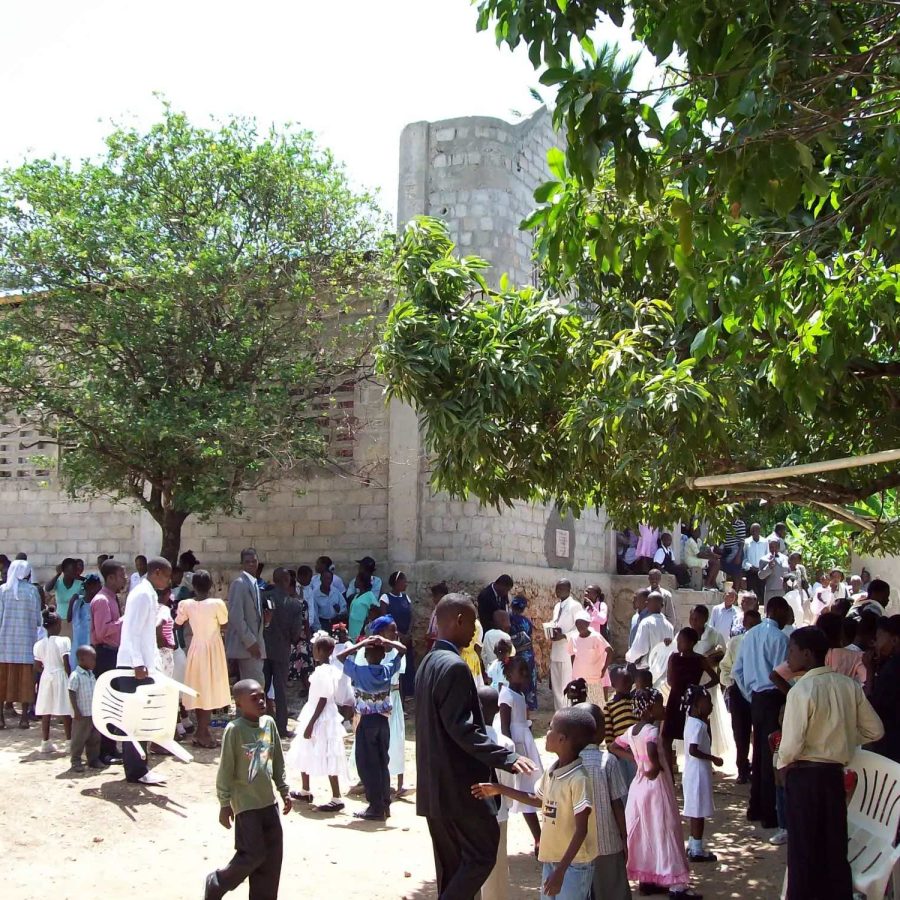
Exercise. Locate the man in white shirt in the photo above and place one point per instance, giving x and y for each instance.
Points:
(652, 630)
(328, 600)
(724, 614)
(654, 577)
(779, 533)
(324, 564)
(137, 650)
(773, 567)
(755, 548)
(563, 623)
(665, 560)
(140, 565)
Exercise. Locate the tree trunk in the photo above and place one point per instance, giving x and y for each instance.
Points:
(171, 522)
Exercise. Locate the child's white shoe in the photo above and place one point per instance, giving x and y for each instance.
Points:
(49, 747)
(780, 837)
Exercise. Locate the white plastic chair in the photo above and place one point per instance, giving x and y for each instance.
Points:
(147, 713)
(872, 819)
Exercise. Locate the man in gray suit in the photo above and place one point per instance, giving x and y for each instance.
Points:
(247, 616)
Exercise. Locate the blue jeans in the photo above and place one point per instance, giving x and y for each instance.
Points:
(780, 803)
(576, 884)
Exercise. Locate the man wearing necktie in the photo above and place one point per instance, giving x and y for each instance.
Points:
(244, 641)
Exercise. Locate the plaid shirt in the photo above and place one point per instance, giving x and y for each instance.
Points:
(82, 682)
(608, 785)
(19, 622)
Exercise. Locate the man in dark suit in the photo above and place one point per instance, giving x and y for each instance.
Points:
(285, 630)
(495, 596)
(453, 752)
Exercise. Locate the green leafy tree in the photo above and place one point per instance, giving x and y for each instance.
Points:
(188, 304)
(725, 241)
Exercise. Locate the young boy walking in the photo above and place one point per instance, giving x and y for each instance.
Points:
(564, 793)
(85, 738)
(372, 684)
(251, 768)
(610, 792)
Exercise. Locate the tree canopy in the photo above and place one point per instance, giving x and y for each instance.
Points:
(190, 301)
(719, 259)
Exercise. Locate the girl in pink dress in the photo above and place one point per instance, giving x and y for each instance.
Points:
(591, 656)
(656, 857)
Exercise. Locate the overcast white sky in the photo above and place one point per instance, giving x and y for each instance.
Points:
(353, 71)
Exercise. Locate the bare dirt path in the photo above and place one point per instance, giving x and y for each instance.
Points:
(73, 837)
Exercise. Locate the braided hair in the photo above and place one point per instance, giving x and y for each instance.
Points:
(692, 693)
(643, 700)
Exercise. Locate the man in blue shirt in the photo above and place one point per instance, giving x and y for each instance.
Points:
(328, 600)
(762, 649)
(372, 684)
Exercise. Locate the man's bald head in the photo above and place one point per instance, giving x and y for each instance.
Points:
(655, 602)
(455, 619)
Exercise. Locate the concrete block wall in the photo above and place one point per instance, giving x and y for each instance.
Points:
(340, 514)
(478, 175)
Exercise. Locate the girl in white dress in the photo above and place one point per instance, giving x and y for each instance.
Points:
(51, 659)
(698, 762)
(319, 746)
(512, 721)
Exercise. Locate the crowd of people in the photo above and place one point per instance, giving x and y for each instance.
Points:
(785, 682)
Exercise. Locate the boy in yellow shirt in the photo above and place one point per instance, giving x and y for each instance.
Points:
(564, 794)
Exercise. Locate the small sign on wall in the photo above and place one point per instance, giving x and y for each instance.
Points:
(562, 543)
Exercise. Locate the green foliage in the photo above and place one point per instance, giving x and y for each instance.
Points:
(728, 242)
(191, 299)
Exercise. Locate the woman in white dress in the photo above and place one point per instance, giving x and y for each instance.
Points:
(51, 656)
(512, 721)
(712, 646)
(318, 749)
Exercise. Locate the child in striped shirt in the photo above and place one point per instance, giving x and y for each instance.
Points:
(619, 716)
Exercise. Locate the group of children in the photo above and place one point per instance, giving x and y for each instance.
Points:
(597, 802)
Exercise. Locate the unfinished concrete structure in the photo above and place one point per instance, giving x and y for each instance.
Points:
(478, 175)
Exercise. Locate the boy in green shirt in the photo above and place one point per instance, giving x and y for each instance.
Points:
(250, 768)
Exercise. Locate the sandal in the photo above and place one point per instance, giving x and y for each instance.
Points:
(302, 795)
(212, 745)
(333, 805)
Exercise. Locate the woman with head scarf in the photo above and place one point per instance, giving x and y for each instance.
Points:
(20, 618)
(521, 630)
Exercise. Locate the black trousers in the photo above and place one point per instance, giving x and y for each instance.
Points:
(818, 868)
(106, 660)
(135, 767)
(373, 739)
(764, 709)
(258, 848)
(741, 728)
(465, 851)
(276, 671)
(757, 585)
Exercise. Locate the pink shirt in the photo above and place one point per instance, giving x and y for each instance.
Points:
(847, 662)
(590, 656)
(106, 619)
(599, 614)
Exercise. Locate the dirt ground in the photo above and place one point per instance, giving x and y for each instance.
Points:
(72, 837)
